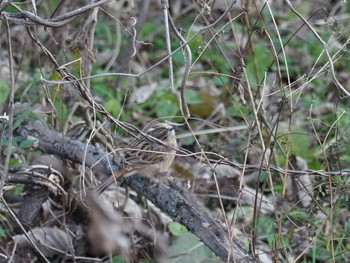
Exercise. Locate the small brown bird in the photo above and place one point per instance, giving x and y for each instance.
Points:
(146, 155)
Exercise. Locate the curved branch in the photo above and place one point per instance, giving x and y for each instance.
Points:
(171, 199)
(63, 146)
(28, 18)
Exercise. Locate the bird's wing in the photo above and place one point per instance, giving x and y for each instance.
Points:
(144, 151)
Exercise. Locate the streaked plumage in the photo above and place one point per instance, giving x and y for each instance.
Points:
(146, 155)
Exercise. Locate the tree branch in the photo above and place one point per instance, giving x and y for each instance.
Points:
(28, 18)
(171, 199)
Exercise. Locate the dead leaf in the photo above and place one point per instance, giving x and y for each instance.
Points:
(50, 240)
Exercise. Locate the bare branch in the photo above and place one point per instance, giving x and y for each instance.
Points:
(28, 18)
(172, 199)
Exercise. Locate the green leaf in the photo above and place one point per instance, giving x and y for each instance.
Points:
(4, 91)
(117, 259)
(21, 118)
(113, 106)
(148, 28)
(61, 110)
(301, 144)
(178, 57)
(14, 162)
(187, 248)
(262, 58)
(22, 114)
(27, 143)
(18, 190)
(299, 214)
(315, 164)
(177, 229)
(2, 233)
(266, 225)
(237, 110)
(7, 151)
(11, 9)
(189, 141)
(195, 43)
(192, 96)
(221, 80)
(101, 90)
(165, 108)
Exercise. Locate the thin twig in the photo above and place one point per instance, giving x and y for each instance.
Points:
(10, 106)
(28, 18)
(165, 8)
(23, 230)
(200, 32)
(331, 66)
(116, 49)
(188, 62)
(211, 131)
